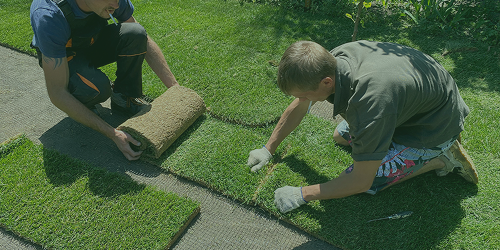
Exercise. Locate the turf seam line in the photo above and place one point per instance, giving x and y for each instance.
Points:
(199, 182)
(242, 123)
(278, 215)
(263, 182)
(268, 174)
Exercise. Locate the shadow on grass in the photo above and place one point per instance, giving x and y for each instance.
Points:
(61, 170)
(74, 139)
(435, 202)
(301, 167)
(475, 65)
(326, 30)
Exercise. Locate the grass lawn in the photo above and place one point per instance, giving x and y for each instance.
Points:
(445, 208)
(222, 50)
(61, 203)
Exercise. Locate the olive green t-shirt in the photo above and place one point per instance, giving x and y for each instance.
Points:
(389, 92)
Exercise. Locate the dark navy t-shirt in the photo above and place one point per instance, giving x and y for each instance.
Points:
(52, 31)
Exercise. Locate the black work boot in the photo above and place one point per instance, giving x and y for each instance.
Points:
(128, 106)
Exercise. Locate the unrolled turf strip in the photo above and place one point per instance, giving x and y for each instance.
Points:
(61, 203)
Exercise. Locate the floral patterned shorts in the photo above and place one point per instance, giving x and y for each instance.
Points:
(400, 162)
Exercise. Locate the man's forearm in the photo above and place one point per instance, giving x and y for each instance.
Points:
(156, 60)
(78, 112)
(355, 180)
(290, 119)
(56, 72)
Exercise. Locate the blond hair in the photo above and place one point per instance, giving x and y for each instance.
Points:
(303, 65)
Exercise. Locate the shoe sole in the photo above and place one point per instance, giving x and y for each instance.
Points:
(469, 171)
(117, 109)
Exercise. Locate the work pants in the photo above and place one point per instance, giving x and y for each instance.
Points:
(125, 44)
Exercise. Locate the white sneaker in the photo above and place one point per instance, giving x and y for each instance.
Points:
(457, 160)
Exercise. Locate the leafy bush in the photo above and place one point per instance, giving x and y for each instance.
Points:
(479, 19)
(325, 6)
(484, 22)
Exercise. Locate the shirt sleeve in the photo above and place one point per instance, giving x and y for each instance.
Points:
(371, 140)
(51, 31)
(372, 118)
(125, 11)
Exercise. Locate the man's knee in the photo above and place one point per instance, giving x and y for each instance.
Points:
(104, 91)
(90, 90)
(135, 34)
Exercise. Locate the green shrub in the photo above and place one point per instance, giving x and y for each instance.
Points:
(480, 19)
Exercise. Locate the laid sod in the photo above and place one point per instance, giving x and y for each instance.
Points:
(440, 204)
(222, 50)
(61, 203)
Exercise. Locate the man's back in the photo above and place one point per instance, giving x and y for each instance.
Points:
(398, 92)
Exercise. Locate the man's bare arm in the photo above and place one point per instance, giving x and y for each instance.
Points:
(289, 120)
(356, 179)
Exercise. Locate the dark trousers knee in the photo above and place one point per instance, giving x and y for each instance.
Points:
(125, 44)
(88, 84)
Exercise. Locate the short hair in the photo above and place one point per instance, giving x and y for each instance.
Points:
(303, 65)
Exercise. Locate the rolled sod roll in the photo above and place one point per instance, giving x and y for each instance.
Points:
(170, 115)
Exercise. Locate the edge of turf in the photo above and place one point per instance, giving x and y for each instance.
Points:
(279, 216)
(26, 52)
(11, 144)
(268, 169)
(181, 231)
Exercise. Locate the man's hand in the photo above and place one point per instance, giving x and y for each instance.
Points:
(258, 158)
(288, 198)
(122, 140)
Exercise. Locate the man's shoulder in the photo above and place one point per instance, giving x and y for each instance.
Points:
(46, 12)
(50, 28)
(44, 6)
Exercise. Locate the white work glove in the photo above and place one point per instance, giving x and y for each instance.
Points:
(259, 158)
(288, 198)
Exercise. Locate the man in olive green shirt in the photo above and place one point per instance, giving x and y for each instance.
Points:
(403, 115)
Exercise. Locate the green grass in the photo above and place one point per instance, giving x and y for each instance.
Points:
(445, 208)
(209, 152)
(221, 49)
(61, 203)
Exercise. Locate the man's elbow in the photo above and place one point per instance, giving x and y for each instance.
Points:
(57, 97)
(53, 96)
